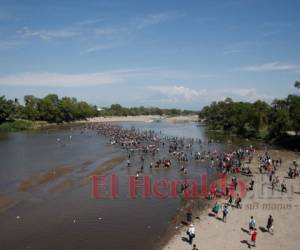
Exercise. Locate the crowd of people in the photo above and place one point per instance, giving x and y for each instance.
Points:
(154, 150)
(267, 166)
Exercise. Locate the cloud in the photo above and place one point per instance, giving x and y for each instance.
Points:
(274, 66)
(96, 33)
(97, 78)
(244, 46)
(182, 94)
(91, 21)
(243, 94)
(177, 93)
(131, 78)
(99, 47)
(151, 20)
(46, 79)
(47, 34)
(183, 75)
(118, 35)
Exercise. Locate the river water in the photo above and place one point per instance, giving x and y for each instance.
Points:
(58, 212)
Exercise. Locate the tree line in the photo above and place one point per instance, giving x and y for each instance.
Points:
(118, 110)
(53, 109)
(258, 119)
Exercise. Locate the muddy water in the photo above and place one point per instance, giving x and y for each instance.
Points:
(46, 192)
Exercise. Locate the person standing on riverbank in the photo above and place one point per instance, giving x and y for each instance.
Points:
(216, 209)
(238, 201)
(252, 224)
(230, 200)
(191, 233)
(225, 213)
(270, 224)
(253, 237)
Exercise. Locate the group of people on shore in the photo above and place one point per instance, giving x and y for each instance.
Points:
(267, 166)
(253, 228)
(270, 167)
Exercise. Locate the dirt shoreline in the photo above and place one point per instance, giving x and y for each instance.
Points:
(142, 118)
(36, 125)
(176, 226)
(214, 234)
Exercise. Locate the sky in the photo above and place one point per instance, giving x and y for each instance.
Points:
(181, 54)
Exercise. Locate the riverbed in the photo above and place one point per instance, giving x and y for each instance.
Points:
(46, 189)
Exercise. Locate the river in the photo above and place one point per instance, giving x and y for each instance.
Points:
(53, 209)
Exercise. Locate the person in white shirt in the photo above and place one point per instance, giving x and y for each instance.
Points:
(191, 233)
(252, 224)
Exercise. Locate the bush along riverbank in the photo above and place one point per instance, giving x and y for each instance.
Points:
(18, 125)
(260, 120)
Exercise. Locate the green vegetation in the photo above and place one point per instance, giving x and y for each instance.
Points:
(55, 110)
(118, 110)
(51, 109)
(257, 119)
(16, 125)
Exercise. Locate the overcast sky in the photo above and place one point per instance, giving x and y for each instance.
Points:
(181, 54)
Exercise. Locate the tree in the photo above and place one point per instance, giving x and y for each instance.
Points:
(279, 104)
(259, 115)
(293, 105)
(84, 110)
(31, 111)
(297, 85)
(279, 122)
(228, 100)
(68, 108)
(116, 109)
(49, 108)
(7, 109)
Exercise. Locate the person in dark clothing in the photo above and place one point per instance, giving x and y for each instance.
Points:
(251, 185)
(238, 201)
(189, 216)
(270, 223)
(230, 200)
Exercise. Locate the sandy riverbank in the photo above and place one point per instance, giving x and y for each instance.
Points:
(19, 125)
(143, 118)
(212, 233)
